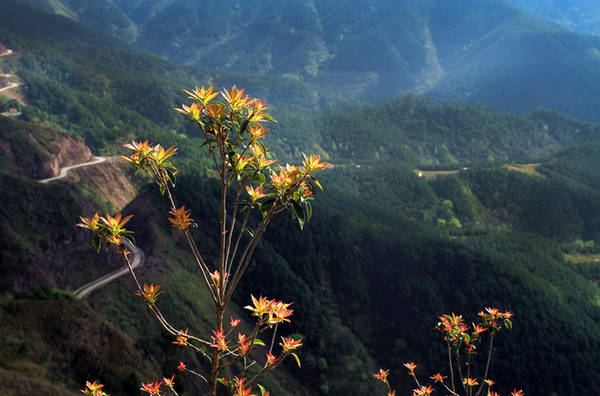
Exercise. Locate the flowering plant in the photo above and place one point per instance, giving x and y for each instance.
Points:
(461, 339)
(233, 131)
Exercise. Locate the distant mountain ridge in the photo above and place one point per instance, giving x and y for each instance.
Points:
(488, 52)
(581, 16)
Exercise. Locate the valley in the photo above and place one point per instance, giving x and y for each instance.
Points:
(513, 223)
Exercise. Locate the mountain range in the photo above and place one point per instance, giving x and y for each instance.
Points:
(509, 216)
(489, 52)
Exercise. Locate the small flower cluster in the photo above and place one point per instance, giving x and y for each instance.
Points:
(154, 388)
(458, 334)
(154, 161)
(109, 229)
(233, 127)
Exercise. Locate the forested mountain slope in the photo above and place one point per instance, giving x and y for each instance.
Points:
(488, 52)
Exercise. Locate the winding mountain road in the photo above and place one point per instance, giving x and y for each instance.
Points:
(138, 260)
(10, 85)
(66, 169)
(137, 253)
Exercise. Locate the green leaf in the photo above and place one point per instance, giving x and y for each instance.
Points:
(266, 206)
(296, 210)
(296, 358)
(243, 125)
(262, 389)
(508, 324)
(96, 242)
(308, 208)
(258, 342)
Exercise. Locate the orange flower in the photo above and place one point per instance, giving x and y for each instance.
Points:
(202, 95)
(219, 340)
(392, 393)
(160, 155)
(470, 381)
(261, 306)
(271, 358)
(492, 311)
(182, 338)
(181, 366)
(90, 224)
(289, 344)
(423, 391)
(516, 392)
(262, 162)
(244, 344)
(181, 218)
(257, 131)
(234, 98)
(255, 193)
(411, 367)
(382, 375)
(489, 382)
(151, 388)
(216, 111)
(150, 293)
(478, 329)
(279, 312)
(438, 377)
(115, 229)
(240, 390)
(313, 163)
(169, 381)
(493, 394)
(234, 322)
(93, 389)
(508, 314)
(257, 111)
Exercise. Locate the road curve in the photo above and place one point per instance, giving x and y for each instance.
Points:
(63, 171)
(138, 260)
(8, 52)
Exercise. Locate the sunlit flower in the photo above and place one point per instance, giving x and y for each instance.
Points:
(181, 366)
(93, 389)
(516, 392)
(382, 375)
(279, 312)
(244, 344)
(470, 381)
(289, 344)
(261, 306)
(234, 322)
(169, 381)
(313, 163)
(151, 388)
(411, 367)
(256, 193)
(181, 218)
(271, 358)
(438, 377)
(219, 340)
(90, 224)
(423, 391)
(478, 329)
(240, 390)
(150, 293)
(182, 337)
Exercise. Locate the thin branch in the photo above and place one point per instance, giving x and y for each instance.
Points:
(487, 364)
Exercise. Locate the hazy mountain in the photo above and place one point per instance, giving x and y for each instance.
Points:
(470, 51)
(578, 15)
